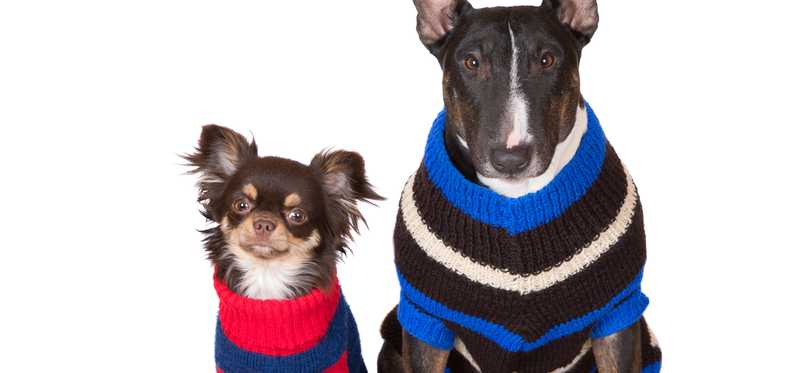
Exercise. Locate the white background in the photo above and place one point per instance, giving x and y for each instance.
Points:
(103, 271)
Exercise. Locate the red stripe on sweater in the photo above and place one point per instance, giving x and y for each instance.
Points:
(340, 366)
(276, 327)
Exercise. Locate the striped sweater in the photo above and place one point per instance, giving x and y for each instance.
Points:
(313, 333)
(521, 284)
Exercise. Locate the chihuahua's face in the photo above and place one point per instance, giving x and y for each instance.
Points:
(272, 207)
(281, 224)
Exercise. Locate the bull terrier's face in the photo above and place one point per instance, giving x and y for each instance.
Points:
(510, 78)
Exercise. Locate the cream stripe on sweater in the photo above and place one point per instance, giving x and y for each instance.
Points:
(501, 278)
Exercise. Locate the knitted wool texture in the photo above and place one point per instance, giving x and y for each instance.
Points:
(312, 333)
(521, 284)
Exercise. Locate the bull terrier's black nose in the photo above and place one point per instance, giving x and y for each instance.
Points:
(511, 160)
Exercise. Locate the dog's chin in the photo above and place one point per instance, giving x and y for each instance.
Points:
(509, 187)
(514, 185)
(264, 251)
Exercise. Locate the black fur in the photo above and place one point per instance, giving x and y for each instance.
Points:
(477, 99)
(454, 32)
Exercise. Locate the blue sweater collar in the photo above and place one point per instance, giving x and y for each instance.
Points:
(516, 215)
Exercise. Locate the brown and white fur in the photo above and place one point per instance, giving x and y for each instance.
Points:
(280, 225)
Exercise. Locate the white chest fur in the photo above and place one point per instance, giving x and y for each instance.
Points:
(270, 279)
(276, 278)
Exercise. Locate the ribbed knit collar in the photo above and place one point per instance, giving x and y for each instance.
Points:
(277, 327)
(516, 215)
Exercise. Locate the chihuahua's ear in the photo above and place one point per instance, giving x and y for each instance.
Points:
(220, 152)
(344, 182)
(580, 16)
(435, 20)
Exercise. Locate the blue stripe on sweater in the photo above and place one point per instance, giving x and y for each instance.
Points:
(622, 316)
(232, 359)
(435, 332)
(517, 215)
(355, 362)
(652, 368)
(504, 338)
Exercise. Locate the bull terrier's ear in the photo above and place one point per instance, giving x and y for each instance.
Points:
(219, 154)
(579, 15)
(436, 18)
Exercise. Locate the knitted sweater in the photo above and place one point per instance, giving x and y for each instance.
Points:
(312, 333)
(521, 284)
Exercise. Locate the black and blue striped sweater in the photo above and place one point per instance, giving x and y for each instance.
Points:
(521, 284)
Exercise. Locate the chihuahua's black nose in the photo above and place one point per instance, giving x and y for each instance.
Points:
(264, 226)
(511, 160)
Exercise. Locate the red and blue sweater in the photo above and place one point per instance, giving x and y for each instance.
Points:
(312, 333)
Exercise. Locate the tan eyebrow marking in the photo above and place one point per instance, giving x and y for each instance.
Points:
(292, 200)
(250, 191)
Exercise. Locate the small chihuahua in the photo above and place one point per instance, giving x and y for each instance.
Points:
(280, 228)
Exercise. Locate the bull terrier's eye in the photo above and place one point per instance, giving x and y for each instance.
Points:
(548, 60)
(297, 216)
(472, 63)
(242, 206)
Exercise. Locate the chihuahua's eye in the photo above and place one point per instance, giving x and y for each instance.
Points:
(472, 63)
(297, 216)
(548, 60)
(242, 206)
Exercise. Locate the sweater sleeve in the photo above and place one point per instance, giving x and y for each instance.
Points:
(621, 316)
(424, 326)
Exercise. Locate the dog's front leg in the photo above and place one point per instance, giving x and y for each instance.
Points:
(420, 357)
(620, 352)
